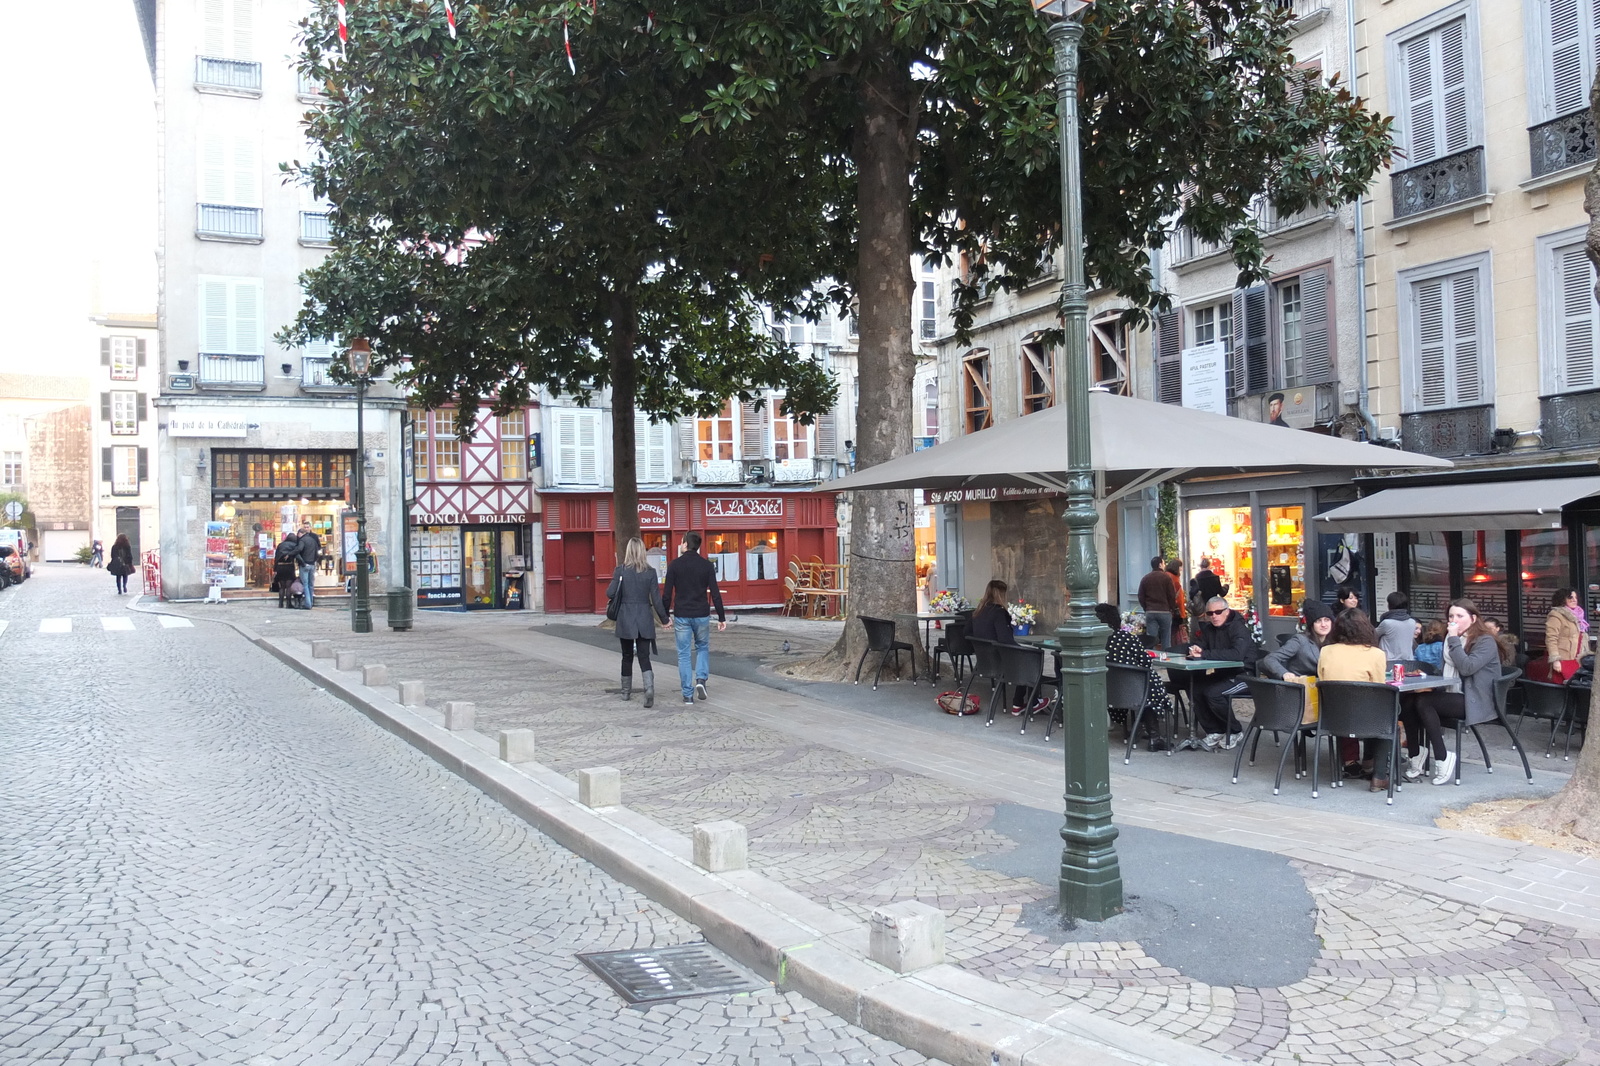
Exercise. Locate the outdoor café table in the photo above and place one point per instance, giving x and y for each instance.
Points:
(1170, 662)
(927, 618)
(1427, 682)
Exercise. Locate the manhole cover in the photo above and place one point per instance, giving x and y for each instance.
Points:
(652, 975)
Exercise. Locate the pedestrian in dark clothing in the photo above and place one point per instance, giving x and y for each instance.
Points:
(991, 620)
(286, 569)
(1158, 597)
(121, 564)
(1397, 630)
(1124, 649)
(310, 552)
(1223, 634)
(1203, 587)
(634, 590)
(689, 593)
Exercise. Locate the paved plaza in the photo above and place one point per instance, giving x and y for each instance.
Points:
(1420, 944)
(209, 860)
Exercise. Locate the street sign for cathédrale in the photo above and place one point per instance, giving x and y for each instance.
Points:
(182, 423)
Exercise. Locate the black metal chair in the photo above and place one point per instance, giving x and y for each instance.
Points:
(880, 639)
(954, 643)
(1020, 681)
(1502, 690)
(1128, 689)
(1577, 714)
(1281, 708)
(985, 663)
(1543, 701)
(1356, 710)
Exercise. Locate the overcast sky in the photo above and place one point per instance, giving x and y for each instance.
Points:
(81, 184)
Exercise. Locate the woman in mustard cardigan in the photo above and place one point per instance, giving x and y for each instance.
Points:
(1352, 654)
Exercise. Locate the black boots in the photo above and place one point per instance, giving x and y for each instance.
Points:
(649, 688)
(627, 686)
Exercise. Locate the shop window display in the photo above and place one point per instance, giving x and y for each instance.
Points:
(1286, 567)
(1483, 571)
(761, 557)
(436, 559)
(1545, 568)
(723, 551)
(1224, 536)
(254, 528)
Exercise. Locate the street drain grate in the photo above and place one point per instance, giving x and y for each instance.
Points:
(655, 975)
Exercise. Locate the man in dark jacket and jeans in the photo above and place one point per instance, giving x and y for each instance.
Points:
(310, 551)
(1158, 596)
(689, 592)
(1223, 634)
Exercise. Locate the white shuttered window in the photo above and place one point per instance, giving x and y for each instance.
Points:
(577, 446)
(228, 29)
(230, 169)
(1566, 37)
(1436, 92)
(1569, 317)
(652, 450)
(230, 316)
(1448, 340)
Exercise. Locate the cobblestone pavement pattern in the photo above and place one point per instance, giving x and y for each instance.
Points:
(207, 860)
(1404, 976)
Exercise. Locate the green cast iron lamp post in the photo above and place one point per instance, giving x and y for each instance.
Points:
(1091, 878)
(361, 367)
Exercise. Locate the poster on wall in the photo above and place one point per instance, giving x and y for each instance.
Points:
(1205, 378)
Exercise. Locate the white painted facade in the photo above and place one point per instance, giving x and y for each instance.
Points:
(124, 456)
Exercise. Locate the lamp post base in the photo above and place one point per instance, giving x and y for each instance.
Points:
(361, 606)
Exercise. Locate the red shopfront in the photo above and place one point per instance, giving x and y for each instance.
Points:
(749, 536)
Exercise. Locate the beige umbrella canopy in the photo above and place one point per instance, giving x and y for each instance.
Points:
(1135, 443)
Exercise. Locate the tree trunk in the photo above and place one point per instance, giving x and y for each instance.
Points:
(882, 555)
(1576, 808)
(624, 386)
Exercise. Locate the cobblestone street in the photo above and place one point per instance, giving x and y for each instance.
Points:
(209, 860)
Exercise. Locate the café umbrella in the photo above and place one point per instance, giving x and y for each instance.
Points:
(1136, 443)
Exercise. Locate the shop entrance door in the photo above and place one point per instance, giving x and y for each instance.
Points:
(480, 564)
(128, 526)
(577, 579)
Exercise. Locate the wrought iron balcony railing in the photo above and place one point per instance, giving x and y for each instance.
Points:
(1438, 183)
(228, 221)
(315, 373)
(1570, 419)
(240, 371)
(1449, 433)
(314, 228)
(1561, 143)
(227, 73)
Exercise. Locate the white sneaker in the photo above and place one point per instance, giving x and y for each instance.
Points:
(1211, 741)
(1445, 770)
(1233, 740)
(1416, 765)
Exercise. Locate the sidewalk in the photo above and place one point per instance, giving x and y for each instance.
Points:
(1419, 944)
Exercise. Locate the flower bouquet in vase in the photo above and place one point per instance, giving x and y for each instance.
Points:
(1024, 616)
(947, 601)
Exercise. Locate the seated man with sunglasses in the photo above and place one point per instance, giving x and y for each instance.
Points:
(1224, 634)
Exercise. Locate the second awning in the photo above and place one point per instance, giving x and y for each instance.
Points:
(1479, 505)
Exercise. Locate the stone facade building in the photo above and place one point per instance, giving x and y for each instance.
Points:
(45, 440)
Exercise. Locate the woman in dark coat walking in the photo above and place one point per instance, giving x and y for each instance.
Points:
(637, 594)
(286, 569)
(121, 564)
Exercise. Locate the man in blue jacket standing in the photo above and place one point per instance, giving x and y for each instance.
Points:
(689, 592)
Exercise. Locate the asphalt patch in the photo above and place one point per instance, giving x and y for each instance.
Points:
(1216, 913)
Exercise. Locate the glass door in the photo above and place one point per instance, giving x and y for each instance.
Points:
(481, 567)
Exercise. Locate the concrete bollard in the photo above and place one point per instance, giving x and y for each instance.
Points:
(907, 936)
(721, 846)
(600, 786)
(345, 660)
(374, 675)
(410, 693)
(459, 715)
(516, 745)
(322, 649)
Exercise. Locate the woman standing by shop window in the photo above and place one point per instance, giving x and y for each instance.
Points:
(637, 599)
(1563, 636)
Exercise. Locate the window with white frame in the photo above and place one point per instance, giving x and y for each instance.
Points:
(11, 468)
(1562, 57)
(652, 450)
(228, 29)
(714, 439)
(1437, 95)
(125, 470)
(230, 316)
(122, 355)
(790, 440)
(419, 444)
(124, 413)
(1446, 335)
(1302, 336)
(514, 445)
(1569, 318)
(928, 304)
(930, 409)
(230, 167)
(576, 450)
(1212, 323)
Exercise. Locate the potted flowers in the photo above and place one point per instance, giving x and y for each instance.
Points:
(947, 601)
(1023, 616)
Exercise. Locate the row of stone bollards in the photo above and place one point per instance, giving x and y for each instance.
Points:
(904, 936)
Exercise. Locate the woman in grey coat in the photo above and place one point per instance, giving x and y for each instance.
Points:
(1472, 654)
(1298, 656)
(637, 595)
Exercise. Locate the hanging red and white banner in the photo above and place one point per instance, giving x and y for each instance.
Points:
(450, 18)
(344, 30)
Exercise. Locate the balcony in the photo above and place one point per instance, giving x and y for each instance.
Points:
(309, 85)
(718, 472)
(1451, 433)
(1304, 10)
(316, 375)
(314, 228)
(219, 370)
(1570, 420)
(228, 75)
(790, 471)
(1186, 246)
(1561, 143)
(225, 222)
(1438, 183)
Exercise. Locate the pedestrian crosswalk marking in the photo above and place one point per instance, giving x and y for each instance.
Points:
(55, 625)
(119, 622)
(170, 622)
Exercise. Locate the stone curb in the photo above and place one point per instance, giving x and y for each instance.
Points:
(943, 1012)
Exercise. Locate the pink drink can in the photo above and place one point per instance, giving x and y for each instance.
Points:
(1399, 673)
